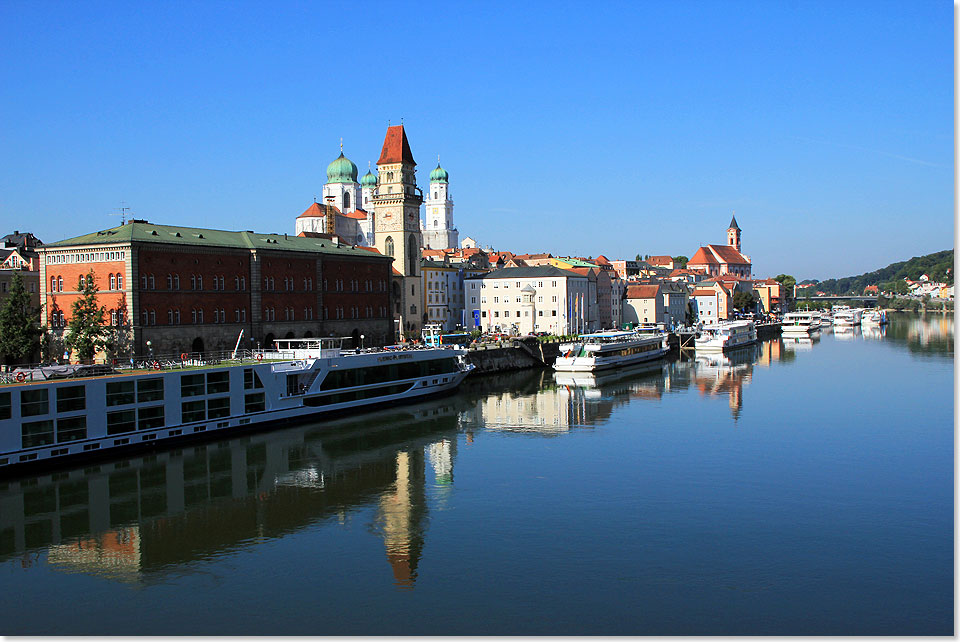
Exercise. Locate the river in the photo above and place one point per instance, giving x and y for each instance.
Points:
(791, 488)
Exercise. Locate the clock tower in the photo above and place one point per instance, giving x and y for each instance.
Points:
(397, 203)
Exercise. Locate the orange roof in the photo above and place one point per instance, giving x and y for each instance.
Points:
(359, 215)
(396, 272)
(642, 291)
(315, 235)
(396, 149)
(660, 260)
(717, 254)
(602, 260)
(704, 293)
(369, 249)
(319, 209)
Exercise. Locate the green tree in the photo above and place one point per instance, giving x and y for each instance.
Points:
(785, 280)
(19, 323)
(680, 261)
(743, 301)
(86, 333)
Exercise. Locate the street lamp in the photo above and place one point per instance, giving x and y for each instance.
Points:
(150, 349)
(361, 342)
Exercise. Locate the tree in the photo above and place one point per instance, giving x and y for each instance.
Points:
(86, 333)
(19, 323)
(743, 301)
(785, 280)
(680, 261)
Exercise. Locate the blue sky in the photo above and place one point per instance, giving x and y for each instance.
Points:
(567, 127)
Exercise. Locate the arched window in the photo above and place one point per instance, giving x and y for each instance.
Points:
(346, 201)
(388, 246)
(389, 177)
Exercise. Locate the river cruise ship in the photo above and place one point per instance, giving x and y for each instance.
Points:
(725, 335)
(608, 349)
(50, 420)
(800, 323)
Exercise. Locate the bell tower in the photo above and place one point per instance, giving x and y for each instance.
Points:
(733, 233)
(397, 203)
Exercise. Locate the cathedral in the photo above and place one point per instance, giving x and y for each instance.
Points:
(348, 210)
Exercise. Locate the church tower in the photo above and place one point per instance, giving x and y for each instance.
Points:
(397, 229)
(342, 183)
(733, 233)
(368, 186)
(438, 230)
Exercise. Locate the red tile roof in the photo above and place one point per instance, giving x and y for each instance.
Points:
(319, 209)
(359, 215)
(717, 254)
(704, 293)
(396, 149)
(660, 260)
(642, 291)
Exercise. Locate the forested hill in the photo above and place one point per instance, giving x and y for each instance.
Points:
(938, 266)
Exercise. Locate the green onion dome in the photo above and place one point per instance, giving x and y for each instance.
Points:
(369, 180)
(342, 170)
(439, 175)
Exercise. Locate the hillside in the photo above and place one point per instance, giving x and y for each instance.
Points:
(938, 266)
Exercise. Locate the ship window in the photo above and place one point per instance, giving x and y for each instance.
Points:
(150, 390)
(254, 402)
(119, 393)
(151, 417)
(37, 433)
(71, 428)
(5, 405)
(194, 411)
(191, 385)
(219, 407)
(251, 380)
(218, 382)
(121, 421)
(71, 398)
(34, 402)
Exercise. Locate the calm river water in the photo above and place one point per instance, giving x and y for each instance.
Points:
(790, 488)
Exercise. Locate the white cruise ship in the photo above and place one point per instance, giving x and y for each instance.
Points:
(609, 349)
(48, 421)
(725, 335)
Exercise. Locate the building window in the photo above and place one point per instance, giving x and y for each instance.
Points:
(119, 282)
(388, 246)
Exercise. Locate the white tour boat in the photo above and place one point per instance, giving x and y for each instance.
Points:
(725, 335)
(608, 349)
(48, 420)
(800, 323)
(846, 317)
(874, 318)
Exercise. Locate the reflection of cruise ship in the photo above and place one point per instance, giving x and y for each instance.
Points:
(800, 342)
(132, 520)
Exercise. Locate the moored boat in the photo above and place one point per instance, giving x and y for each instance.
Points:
(44, 420)
(725, 335)
(599, 350)
(874, 318)
(800, 323)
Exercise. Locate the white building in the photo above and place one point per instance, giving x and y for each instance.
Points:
(437, 226)
(523, 300)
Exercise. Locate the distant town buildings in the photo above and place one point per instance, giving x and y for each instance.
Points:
(715, 260)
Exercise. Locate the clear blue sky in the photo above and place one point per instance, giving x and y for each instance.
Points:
(567, 127)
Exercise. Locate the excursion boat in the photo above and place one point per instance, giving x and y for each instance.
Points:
(874, 318)
(608, 349)
(725, 335)
(847, 317)
(47, 419)
(800, 323)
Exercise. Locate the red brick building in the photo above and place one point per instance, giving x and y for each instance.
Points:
(194, 290)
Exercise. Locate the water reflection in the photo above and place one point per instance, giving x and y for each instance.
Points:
(135, 520)
(138, 520)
